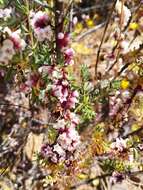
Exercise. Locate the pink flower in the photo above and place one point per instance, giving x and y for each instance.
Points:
(15, 39)
(69, 140)
(40, 23)
(19, 43)
(116, 177)
(61, 36)
(24, 88)
(46, 150)
(63, 39)
(72, 100)
(72, 117)
(69, 53)
(60, 90)
(75, 93)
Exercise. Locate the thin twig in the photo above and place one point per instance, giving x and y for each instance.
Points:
(103, 177)
(124, 30)
(44, 5)
(10, 104)
(91, 30)
(102, 40)
(119, 41)
(58, 9)
(133, 133)
(95, 7)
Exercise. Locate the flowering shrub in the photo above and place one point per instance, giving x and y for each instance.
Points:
(61, 123)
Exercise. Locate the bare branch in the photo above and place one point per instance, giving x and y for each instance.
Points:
(103, 177)
(102, 40)
(44, 5)
(91, 30)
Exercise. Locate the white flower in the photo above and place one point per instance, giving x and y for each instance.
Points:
(8, 43)
(54, 158)
(64, 96)
(43, 34)
(5, 13)
(116, 177)
(125, 46)
(126, 94)
(7, 51)
(75, 20)
(59, 150)
(104, 83)
(135, 45)
(60, 124)
(120, 144)
(65, 83)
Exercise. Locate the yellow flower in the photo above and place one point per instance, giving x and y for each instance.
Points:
(114, 42)
(82, 176)
(81, 48)
(78, 28)
(133, 26)
(125, 84)
(90, 23)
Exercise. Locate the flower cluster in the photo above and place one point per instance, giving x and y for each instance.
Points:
(66, 97)
(117, 101)
(67, 138)
(62, 42)
(14, 43)
(40, 23)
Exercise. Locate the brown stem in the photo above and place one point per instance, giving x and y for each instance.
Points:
(102, 40)
(58, 26)
(119, 41)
